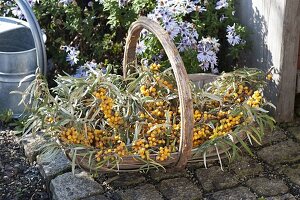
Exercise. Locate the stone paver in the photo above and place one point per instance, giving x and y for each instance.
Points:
(57, 165)
(293, 173)
(246, 167)
(295, 132)
(179, 188)
(214, 178)
(283, 152)
(144, 192)
(275, 136)
(70, 187)
(159, 175)
(267, 187)
(97, 197)
(241, 180)
(239, 193)
(32, 145)
(125, 180)
(282, 197)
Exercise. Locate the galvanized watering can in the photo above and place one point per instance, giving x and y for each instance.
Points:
(22, 50)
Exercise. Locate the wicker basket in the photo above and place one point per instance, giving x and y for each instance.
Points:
(185, 153)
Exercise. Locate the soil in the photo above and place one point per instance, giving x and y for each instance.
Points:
(18, 178)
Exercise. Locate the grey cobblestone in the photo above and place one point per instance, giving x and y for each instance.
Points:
(295, 132)
(214, 178)
(275, 136)
(282, 197)
(293, 173)
(267, 187)
(144, 192)
(283, 152)
(97, 197)
(125, 180)
(239, 193)
(32, 145)
(159, 175)
(57, 165)
(71, 187)
(179, 188)
(246, 167)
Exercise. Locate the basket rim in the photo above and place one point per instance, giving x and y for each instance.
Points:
(181, 77)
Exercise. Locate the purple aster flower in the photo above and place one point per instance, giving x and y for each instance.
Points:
(221, 4)
(141, 47)
(207, 53)
(72, 54)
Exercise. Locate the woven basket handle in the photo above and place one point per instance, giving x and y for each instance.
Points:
(184, 92)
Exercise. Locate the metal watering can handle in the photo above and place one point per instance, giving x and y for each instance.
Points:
(36, 33)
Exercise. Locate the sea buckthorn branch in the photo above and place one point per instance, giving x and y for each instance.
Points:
(143, 120)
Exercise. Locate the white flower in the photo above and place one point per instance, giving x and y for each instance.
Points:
(230, 29)
(145, 62)
(80, 72)
(100, 1)
(85, 70)
(189, 36)
(16, 11)
(90, 4)
(72, 56)
(207, 53)
(65, 2)
(232, 37)
(92, 64)
(122, 3)
(221, 4)
(144, 33)
(141, 47)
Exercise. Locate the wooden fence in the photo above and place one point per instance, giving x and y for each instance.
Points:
(275, 30)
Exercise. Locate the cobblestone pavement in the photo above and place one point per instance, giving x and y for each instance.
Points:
(273, 174)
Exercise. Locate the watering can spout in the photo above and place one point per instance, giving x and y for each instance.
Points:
(36, 33)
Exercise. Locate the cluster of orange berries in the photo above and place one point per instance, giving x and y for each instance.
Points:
(164, 153)
(161, 81)
(49, 120)
(140, 147)
(226, 125)
(197, 115)
(238, 95)
(155, 67)
(151, 91)
(106, 106)
(71, 136)
(255, 99)
(200, 135)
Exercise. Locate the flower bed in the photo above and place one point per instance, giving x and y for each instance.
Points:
(206, 33)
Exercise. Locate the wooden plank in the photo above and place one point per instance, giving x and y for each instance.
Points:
(275, 39)
(289, 59)
(298, 82)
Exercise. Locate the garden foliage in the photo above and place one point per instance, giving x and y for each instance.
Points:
(206, 32)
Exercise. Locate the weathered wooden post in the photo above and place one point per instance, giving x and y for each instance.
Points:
(275, 30)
